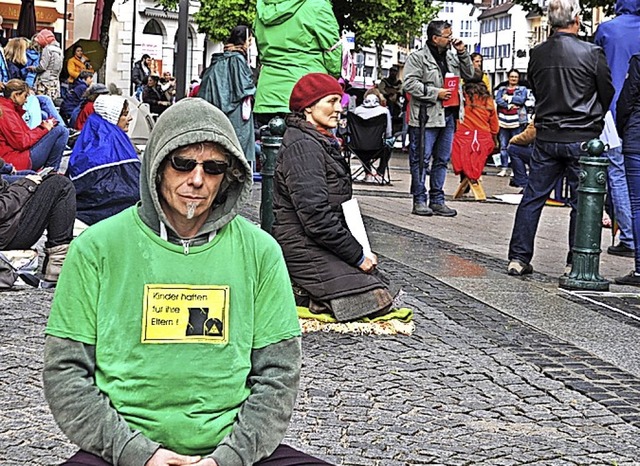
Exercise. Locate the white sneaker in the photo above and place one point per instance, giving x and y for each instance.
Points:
(504, 172)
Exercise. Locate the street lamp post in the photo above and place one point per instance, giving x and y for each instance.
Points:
(181, 59)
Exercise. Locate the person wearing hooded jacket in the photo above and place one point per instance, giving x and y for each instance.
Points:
(619, 38)
(294, 38)
(104, 166)
(228, 84)
(197, 299)
(50, 65)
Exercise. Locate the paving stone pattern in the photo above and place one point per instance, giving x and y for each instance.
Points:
(471, 386)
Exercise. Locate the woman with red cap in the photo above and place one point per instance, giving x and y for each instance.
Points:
(328, 268)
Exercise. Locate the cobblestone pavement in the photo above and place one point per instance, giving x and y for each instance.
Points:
(472, 385)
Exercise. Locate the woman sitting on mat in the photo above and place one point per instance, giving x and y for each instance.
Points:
(327, 265)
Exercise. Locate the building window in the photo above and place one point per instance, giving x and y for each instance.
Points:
(152, 27)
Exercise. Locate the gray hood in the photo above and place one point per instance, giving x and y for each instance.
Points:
(190, 121)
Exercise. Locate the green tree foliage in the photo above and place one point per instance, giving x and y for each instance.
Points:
(383, 21)
(216, 18)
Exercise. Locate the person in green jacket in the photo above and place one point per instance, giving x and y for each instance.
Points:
(294, 38)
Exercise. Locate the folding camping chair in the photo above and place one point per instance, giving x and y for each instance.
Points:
(365, 142)
(142, 123)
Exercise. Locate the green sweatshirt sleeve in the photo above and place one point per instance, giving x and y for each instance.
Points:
(82, 411)
(264, 416)
(327, 31)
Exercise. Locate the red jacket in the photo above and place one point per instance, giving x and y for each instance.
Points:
(16, 138)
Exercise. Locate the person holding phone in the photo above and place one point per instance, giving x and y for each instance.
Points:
(35, 203)
(424, 80)
(21, 146)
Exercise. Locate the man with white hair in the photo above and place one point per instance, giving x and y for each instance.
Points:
(571, 81)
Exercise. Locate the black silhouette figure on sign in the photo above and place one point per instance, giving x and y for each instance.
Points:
(201, 324)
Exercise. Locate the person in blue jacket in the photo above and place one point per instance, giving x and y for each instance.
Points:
(73, 97)
(628, 125)
(104, 166)
(620, 39)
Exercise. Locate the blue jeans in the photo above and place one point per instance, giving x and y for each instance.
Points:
(47, 152)
(49, 110)
(437, 153)
(520, 159)
(17, 176)
(503, 136)
(549, 162)
(632, 167)
(619, 192)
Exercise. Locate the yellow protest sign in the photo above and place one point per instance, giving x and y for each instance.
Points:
(185, 314)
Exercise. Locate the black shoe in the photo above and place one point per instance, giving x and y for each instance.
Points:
(420, 208)
(621, 250)
(443, 210)
(518, 268)
(630, 279)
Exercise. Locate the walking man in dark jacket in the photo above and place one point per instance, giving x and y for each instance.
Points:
(140, 74)
(571, 81)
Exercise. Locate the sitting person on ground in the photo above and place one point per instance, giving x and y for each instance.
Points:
(77, 64)
(477, 134)
(81, 113)
(179, 278)
(153, 95)
(373, 106)
(31, 205)
(74, 94)
(39, 108)
(21, 146)
(520, 149)
(327, 265)
(104, 166)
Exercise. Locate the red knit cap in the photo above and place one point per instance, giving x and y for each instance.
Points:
(311, 88)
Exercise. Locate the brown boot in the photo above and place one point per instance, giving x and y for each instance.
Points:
(54, 257)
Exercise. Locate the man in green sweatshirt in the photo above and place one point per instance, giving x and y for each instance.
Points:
(173, 337)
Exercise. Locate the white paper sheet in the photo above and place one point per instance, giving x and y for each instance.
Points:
(352, 215)
(609, 133)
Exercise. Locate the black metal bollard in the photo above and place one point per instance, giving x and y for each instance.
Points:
(270, 146)
(585, 274)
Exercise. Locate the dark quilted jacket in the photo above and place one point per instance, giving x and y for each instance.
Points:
(312, 180)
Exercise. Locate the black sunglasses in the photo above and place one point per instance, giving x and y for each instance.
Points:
(210, 167)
